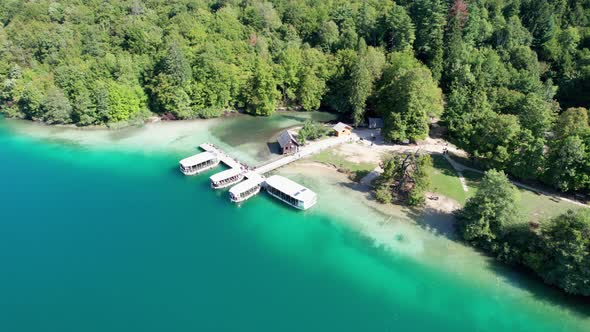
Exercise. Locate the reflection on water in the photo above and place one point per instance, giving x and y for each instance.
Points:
(244, 136)
(255, 135)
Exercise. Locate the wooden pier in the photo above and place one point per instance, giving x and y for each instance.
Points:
(223, 157)
(305, 151)
(256, 175)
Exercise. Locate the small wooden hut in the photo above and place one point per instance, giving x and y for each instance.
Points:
(287, 142)
(342, 129)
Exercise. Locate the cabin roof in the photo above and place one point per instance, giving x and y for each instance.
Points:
(341, 127)
(246, 185)
(228, 173)
(290, 188)
(198, 158)
(285, 138)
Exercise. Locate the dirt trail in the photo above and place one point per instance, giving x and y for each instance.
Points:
(378, 147)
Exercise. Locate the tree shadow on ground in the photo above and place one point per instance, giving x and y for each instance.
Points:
(434, 221)
(429, 219)
(441, 164)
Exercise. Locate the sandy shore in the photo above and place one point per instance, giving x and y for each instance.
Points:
(426, 233)
(364, 152)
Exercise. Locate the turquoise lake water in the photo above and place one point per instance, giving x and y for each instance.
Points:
(113, 240)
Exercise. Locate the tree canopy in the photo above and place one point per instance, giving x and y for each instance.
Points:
(488, 214)
(405, 179)
(509, 79)
(558, 250)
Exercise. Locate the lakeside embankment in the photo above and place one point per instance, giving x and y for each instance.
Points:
(414, 247)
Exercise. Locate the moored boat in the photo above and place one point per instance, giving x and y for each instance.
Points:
(226, 178)
(244, 190)
(290, 192)
(199, 163)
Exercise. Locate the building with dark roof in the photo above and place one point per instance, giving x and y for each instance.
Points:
(375, 123)
(287, 142)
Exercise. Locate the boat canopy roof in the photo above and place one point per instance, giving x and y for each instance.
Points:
(290, 188)
(246, 185)
(198, 158)
(228, 173)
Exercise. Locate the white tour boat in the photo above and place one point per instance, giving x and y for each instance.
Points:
(199, 163)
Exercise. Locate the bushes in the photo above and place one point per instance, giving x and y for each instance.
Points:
(405, 179)
(383, 194)
(490, 212)
(564, 257)
(311, 130)
(559, 251)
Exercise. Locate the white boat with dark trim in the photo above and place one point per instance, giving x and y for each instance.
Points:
(199, 163)
(290, 192)
(244, 190)
(226, 178)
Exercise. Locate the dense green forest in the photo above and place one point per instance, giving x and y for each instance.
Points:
(510, 79)
(558, 250)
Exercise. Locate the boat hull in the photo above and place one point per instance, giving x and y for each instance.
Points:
(241, 199)
(225, 185)
(199, 171)
(304, 207)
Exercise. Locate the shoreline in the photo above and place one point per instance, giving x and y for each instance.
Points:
(155, 118)
(423, 237)
(180, 137)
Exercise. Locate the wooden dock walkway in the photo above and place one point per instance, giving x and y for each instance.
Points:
(256, 175)
(223, 157)
(304, 151)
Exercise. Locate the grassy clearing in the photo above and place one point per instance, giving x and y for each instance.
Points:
(331, 158)
(473, 179)
(539, 207)
(444, 180)
(534, 206)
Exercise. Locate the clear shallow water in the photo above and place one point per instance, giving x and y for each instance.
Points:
(100, 240)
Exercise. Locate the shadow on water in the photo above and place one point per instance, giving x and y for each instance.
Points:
(525, 279)
(274, 148)
(516, 276)
(441, 223)
(434, 221)
(246, 129)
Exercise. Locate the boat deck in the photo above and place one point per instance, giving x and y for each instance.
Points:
(255, 176)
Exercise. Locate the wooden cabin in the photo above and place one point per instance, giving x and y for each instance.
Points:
(342, 129)
(287, 142)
